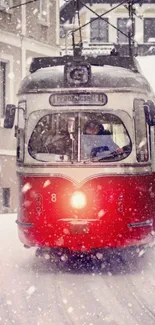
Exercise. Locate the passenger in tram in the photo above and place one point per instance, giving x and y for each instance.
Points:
(105, 143)
(35, 143)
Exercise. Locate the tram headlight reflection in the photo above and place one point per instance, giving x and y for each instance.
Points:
(78, 200)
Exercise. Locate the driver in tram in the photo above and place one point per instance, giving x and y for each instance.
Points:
(60, 144)
(106, 142)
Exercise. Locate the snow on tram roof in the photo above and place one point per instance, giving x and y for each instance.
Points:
(101, 76)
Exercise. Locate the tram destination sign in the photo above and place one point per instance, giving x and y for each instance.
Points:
(76, 99)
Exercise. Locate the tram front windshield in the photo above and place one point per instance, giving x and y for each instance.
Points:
(78, 137)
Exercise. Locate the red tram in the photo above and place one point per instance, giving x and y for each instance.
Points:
(85, 154)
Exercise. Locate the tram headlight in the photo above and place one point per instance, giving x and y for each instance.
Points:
(78, 200)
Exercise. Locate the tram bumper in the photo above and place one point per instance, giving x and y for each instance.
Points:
(83, 236)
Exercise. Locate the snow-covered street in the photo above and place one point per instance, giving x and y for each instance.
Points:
(33, 292)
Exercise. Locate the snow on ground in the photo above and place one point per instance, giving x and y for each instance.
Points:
(35, 292)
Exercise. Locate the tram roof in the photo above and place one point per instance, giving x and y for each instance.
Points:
(116, 60)
(47, 75)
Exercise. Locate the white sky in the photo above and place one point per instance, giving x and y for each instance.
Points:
(147, 66)
(61, 2)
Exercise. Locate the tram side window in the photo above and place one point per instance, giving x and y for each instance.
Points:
(140, 131)
(20, 132)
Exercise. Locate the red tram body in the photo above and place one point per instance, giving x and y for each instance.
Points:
(71, 197)
(127, 220)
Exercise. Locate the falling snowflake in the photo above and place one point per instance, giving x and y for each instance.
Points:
(64, 301)
(46, 183)
(141, 253)
(99, 256)
(46, 257)
(64, 258)
(18, 26)
(9, 302)
(138, 37)
(70, 310)
(31, 290)
(26, 204)
(35, 11)
(65, 231)
(129, 23)
(99, 187)
(26, 187)
(60, 241)
(44, 13)
(11, 75)
(101, 213)
(29, 60)
(109, 274)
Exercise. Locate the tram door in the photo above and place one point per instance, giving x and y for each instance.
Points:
(151, 132)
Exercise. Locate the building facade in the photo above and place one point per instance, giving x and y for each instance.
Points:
(113, 28)
(26, 31)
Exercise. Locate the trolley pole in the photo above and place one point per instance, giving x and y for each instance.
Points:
(131, 28)
(69, 31)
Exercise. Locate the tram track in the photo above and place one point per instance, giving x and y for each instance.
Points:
(85, 298)
(67, 320)
(8, 313)
(142, 302)
(125, 304)
(126, 294)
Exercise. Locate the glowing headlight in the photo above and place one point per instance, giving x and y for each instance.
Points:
(78, 200)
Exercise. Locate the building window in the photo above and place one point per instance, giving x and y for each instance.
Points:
(99, 30)
(6, 197)
(62, 31)
(2, 87)
(44, 10)
(124, 25)
(149, 29)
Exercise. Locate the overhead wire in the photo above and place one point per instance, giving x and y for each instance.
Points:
(101, 17)
(105, 13)
(21, 4)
